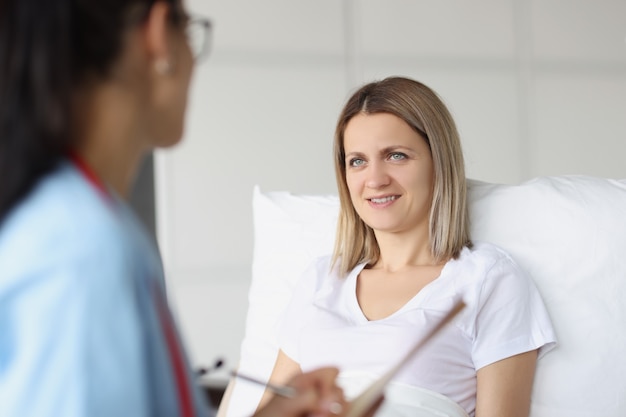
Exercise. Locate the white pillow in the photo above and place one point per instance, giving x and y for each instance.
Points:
(289, 231)
(568, 232)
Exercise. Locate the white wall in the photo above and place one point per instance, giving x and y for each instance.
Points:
(537, 87)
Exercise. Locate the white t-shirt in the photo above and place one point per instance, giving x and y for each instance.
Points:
(504, 316)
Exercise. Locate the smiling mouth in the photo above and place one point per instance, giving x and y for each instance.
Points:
(383, 199)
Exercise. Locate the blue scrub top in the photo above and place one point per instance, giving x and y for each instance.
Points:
(80, 333)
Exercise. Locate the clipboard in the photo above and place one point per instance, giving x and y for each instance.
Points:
(364, 401)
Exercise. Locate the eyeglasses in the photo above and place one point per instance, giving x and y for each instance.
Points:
(199, 31)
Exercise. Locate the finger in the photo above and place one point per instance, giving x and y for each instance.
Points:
(330, 399)
(334, 403)
(322, 379)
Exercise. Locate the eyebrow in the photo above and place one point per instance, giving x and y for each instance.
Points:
(384, 151)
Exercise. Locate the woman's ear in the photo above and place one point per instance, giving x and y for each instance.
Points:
(156, 37)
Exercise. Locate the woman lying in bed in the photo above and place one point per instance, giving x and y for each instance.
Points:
(403, 256)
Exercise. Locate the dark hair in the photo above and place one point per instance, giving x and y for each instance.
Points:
(49, 48)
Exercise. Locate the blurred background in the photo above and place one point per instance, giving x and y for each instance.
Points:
(537, 87)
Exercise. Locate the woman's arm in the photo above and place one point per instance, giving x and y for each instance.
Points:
(285, 368)
(504, 387)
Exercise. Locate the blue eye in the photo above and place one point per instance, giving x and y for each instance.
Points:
(356, 162)
(397, 156)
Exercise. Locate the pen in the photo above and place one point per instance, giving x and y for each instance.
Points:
(282, 390)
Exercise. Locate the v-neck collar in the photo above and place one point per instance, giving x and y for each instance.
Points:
(415, 302)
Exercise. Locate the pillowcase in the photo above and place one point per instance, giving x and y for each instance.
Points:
(289, 232)
(567, 232)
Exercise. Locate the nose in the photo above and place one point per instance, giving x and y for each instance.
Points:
(377, 175)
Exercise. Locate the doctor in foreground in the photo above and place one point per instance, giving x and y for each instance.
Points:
(87, 88)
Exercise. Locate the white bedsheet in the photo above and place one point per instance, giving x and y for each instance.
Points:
(402, 400)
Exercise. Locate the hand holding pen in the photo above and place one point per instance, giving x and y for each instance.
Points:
(310, 394)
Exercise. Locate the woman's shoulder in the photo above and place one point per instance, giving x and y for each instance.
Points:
(322, 275)
(484, 255)
(485, 265)
(62, 217)
(322, 262)
(65, 200)
(320, 270)
(327, 267)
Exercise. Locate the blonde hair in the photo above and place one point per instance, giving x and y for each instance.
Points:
(423, 110)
